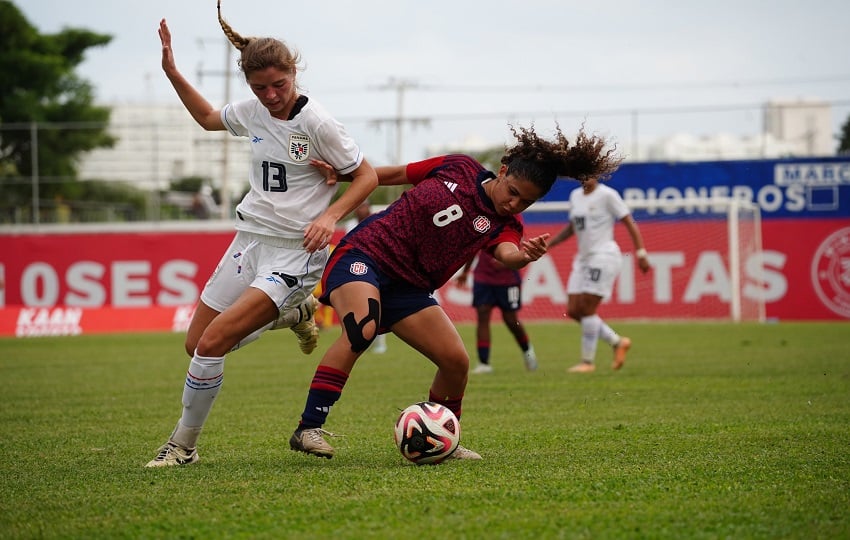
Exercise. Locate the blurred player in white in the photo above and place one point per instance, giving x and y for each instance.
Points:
(266, 277)
(595, 209)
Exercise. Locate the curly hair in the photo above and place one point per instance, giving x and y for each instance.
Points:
(259, 53)
(542, 162)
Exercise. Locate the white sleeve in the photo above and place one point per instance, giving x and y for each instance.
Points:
(617, 205)
(337, 146)
(234, 115)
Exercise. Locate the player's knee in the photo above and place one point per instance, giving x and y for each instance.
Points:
(211, 344)
(575, 313)
(454, 365)
(190, 345)
(360, 340)
(361, 333)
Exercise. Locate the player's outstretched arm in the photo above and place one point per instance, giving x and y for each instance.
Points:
(517, 257)
(387, 176)
(393, 175)
(318, 234)
(200, 109)
(637, 240)
(562, 235)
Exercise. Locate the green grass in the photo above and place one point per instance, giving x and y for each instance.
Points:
(710, 431)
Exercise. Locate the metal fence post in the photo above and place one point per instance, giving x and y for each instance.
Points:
(34, 157)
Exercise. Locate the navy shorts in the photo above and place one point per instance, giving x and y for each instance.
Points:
(398, 299)
(505, 297)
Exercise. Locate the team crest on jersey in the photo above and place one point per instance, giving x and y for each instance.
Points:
(358, 268)
(481, 224)
(299, 147)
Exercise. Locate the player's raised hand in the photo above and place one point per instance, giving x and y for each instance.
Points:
(318, 234)
(534, 248)
(331, 176)
(643, 264)
(168, 64)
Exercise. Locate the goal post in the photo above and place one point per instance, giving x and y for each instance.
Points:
(705, 253)
(744, 225)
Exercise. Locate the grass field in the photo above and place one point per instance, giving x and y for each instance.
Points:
(710, 431)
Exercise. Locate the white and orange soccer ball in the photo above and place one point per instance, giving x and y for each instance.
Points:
(427, 433)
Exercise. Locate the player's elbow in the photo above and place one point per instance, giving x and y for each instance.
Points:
(210, 121)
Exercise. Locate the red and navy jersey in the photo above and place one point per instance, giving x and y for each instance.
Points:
(491, 272)
(430, 232)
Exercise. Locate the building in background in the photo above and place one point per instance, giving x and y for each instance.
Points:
(804, 123)
(160, 143)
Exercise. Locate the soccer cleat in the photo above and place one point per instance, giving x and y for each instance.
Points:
(464, 453)
(620, 351)
(530, 359)
(171, 454)
(310, 441)
(289, 317)
(483, 368)
(306, 329)
(584, 367)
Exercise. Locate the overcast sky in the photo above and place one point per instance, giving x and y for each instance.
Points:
(472, 66)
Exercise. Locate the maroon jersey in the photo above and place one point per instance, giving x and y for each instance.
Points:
(491, 272)
(430, 232)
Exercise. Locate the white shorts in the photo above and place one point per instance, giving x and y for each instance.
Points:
(280, 267)
(595, 274)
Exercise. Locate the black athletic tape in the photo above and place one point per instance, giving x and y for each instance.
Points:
(354, 329)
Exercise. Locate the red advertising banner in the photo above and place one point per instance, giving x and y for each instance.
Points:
(798, 275)
(72, 283)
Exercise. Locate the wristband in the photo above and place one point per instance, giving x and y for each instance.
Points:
(641, 253)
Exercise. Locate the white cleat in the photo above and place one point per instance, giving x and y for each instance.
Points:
(465, 453)
(310, 441)
(171, 454)
(305, 328)
(482, 368)
(530, 359)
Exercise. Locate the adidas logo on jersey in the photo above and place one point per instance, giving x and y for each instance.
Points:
(451, 185)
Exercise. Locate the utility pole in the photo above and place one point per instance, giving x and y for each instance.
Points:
(400, 86)
(225, 141)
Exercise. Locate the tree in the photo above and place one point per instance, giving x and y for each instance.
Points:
(844, 138)
(40, 88)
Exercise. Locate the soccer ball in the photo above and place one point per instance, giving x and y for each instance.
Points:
(427, 432)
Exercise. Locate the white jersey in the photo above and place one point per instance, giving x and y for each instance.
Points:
(593, 217)
(287, 193)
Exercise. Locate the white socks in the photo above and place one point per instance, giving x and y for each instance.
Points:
(589, 336)
(593, 328)
(185, 437)
(203, 382)
(607, 334)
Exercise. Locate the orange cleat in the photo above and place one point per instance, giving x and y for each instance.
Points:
(584, 367)
(620, 351)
